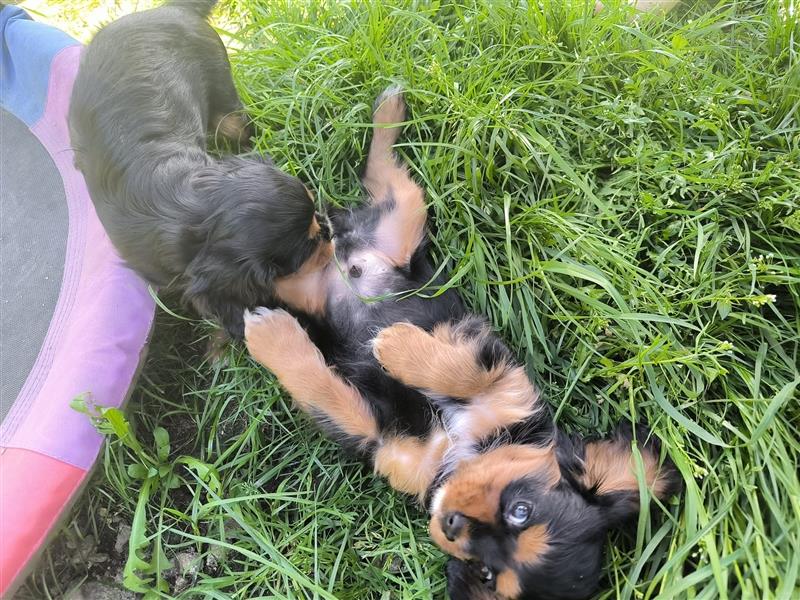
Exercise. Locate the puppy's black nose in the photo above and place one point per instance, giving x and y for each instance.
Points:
(453, 524)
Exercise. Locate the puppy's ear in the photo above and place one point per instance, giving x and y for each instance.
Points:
(606, 471)
(222, 289)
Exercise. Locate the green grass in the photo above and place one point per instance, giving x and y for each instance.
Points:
(619, 196)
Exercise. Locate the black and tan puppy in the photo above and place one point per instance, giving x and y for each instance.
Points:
(440, 407)
(150, 90)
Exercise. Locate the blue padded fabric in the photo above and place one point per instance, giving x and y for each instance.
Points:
(28, 49)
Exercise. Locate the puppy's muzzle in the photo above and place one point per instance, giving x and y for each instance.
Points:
(452, 525)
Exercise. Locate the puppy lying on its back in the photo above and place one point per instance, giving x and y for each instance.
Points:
(150, 88)
(438, 404)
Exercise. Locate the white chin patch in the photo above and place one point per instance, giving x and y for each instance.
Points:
(436, 503)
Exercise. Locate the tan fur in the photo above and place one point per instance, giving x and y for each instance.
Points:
(307, 289)
(609, 465)
(390, 112)
(531, 545)
(455, 548)
(510, 399)
(313, 229)
(508, 584)
(474, 488)
(277, 341)
(433, 362)
(410, 463)
(399, 232)
(447, 364)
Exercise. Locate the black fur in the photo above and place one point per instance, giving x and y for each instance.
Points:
(346, 333)
(150, 89)
(577, 519)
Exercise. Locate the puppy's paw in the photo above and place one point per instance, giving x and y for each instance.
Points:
(233, 128)
(400, 349)
(216, 349)
(271, 333)
(264, 321)
(389, 107)
(257, 317)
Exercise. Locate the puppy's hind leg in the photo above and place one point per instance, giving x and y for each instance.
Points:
(234, 128)
(228, 119)
(402, 224)
(389, 111)
(463, 360)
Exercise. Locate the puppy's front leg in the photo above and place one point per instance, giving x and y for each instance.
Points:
(277, 341)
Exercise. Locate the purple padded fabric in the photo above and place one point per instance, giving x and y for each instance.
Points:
(102, 319)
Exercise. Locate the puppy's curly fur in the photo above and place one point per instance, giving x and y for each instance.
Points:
(150, 89)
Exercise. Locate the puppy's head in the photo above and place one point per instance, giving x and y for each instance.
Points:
(258, 224)
(525, 522)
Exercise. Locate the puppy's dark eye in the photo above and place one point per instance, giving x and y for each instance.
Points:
(519, 513)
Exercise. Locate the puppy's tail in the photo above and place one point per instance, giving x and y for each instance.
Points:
(202, 8)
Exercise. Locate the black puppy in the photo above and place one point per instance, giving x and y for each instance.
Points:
(440, 407)
(150, 89)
